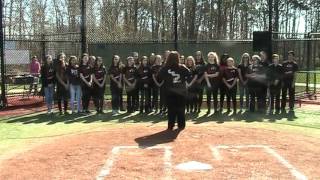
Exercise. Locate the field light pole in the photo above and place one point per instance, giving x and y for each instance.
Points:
(175, 16)
(84, 43)
(3, 87)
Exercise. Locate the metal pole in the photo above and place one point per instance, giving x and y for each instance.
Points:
(3, 86)
(270, 2)
(308, 63)
(175, 10)
(84, 44)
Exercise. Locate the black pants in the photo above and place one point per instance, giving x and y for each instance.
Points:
(285, 88)
(223, 90)
(163, 103)
(200, 96)
(155, 98)
(176, 110)
(231, 95)
(212, 92)
(262, 98)
(191, 100)
(115, 97)
(256, 93)
(131, 100)
(136, 100)
(98, 97)
(275, 97)
(86, 96)
(62, 96)
(121, 99)
(145, 99)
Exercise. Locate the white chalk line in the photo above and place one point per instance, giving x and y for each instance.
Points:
(105, 171)
(294, 172)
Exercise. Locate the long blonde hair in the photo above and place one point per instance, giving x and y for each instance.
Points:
(216, 58)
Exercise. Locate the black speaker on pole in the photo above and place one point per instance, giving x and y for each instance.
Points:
(262, 41)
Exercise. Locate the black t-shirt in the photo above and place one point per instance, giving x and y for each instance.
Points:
(48, 75)
(275, 72)
(212, 69)
(174, 79)
(155, 69)
(86, 71)
(259, 77)
(145, 75)
(230, 74)
(289, 69)
(243, 70)
(115, 71)
(73, 75)
(131, 73)
(99, 73)
(192, 73)
(201, 68)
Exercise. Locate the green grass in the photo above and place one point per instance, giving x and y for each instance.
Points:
(17, 133)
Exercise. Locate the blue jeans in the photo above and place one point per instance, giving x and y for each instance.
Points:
(244, 92)
(75, 95)
(48, 93)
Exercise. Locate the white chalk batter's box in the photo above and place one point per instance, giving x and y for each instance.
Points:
(217, 155)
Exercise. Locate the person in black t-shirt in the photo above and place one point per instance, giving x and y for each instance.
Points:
(62, 83)
(74, 82)
(200, 66)
(230, 79)
(264, 64)
(211, 75)
(137, 64)
(86, 82)
(115, 74)
(144, 73)
(222, 87)
(174, 77)
(191, 102)
(243, 84)
(274, 78)
(130, 75)
(155, 69)
(48, 79)
(290, 68)
(99, 79)
(253, 81)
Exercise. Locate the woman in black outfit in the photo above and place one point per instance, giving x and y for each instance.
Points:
(115, 73)
(86, 82)
(174, 77)
(222, 86)
(62, 83)
(155, 69)
(191, 103)
(99, 79)
(130, 76)
(200, 66)
(144, 73)
(211, 75)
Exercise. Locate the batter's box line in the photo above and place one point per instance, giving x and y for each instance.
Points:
(105, 171)
(294, 172)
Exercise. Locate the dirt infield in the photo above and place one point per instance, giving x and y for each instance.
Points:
(139, 152)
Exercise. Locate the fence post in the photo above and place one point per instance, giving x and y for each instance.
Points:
(175, 10)
(3, 84)
(84, 44)
(308, 62)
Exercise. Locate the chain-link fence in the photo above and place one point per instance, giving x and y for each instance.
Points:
(122, 27)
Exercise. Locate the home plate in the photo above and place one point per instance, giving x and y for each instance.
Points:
(194, 166)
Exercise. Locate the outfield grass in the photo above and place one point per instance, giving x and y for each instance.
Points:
(18, 133)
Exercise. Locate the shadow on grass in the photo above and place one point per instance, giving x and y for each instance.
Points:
(151, 118)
